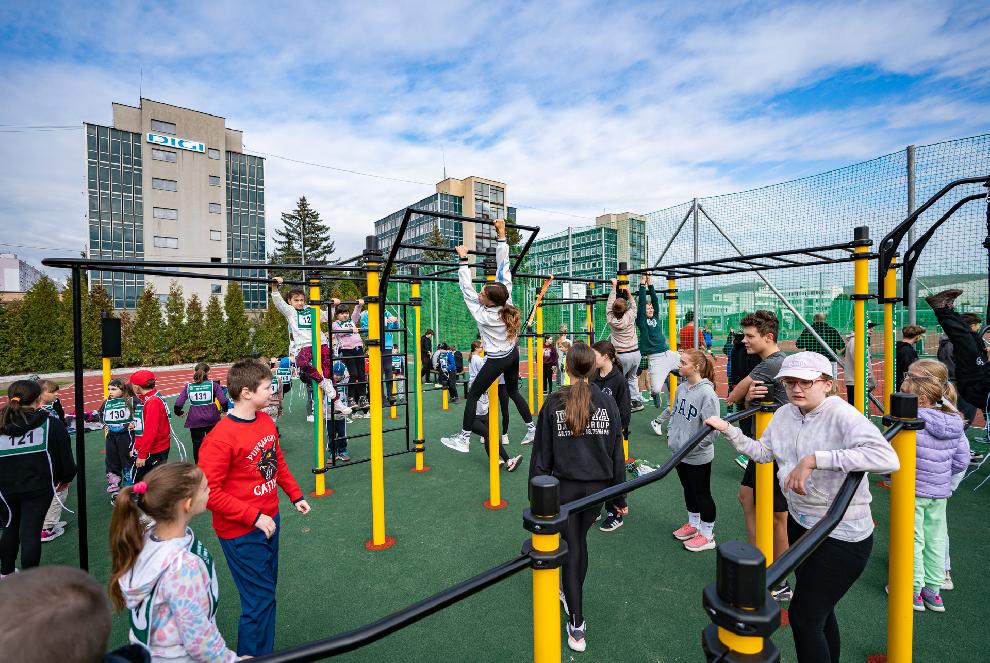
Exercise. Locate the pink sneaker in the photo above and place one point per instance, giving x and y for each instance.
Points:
(698, 543)
(685, 532)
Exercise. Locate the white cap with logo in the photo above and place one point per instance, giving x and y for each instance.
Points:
(805, 366)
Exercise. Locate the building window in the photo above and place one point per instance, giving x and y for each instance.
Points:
(163, 155)
(215, 235)
(166, 242)
(214, 180)
(164, 185)
(213, 154)
(215, 208)
(164, 127)
(165, 213)
(215, 289)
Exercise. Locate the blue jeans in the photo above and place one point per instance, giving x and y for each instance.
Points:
(253, 562)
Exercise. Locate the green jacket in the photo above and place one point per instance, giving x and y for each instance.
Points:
(651, 337)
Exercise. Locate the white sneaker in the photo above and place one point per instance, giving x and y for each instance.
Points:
(310, 418)
(657, 426)
(530, 434)
(341, 407)
(575, 636)
(505, 439)
(460, 442)
(947, 583)
(513, 463)
(328, 389)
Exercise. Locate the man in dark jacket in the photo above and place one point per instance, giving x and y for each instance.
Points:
(945, 356)
(905, 354)
(426, 354)
(827, 332)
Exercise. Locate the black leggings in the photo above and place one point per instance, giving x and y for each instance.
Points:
(548, 378)
(822, 581)
(480, 427)
(576, 536)
(354, 361)
(697, 483)
(27, 516)
(494, 367)
(972, 367)
(197, 439)
(503, 407)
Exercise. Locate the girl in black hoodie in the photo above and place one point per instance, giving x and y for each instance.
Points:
(35, 460)
(609, 378)
(579, 441)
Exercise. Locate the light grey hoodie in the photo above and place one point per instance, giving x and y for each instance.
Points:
(171, 592)
(494, 336)
(842, 441)
(692, 405)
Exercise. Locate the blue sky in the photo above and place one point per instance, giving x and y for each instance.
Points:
(579, 106)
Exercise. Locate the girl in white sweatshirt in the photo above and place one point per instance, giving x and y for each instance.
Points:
(818, 438)
(499, 323)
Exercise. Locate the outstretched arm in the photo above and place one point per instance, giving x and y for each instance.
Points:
(502, 272)
(464, 280)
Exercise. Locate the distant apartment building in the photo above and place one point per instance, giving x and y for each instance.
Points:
(172, 184)
(631, 238)
(473, 197)
(17, 275)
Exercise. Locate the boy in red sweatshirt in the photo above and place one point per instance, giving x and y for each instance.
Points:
(243, 464)
(151, 428)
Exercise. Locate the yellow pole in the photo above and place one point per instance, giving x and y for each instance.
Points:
(860, 287)
(890, 290)
(379, 541)
(445, 405)
(318, 422)
(531, 369)
(900, 611)
(672, 330)
(764, 496)
(541, 341)
(106, 377)
(590, 313)
(393, 411)
(544, 516)
(417, 300)
(494, 500)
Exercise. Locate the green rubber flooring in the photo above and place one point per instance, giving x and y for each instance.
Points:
(643, 592)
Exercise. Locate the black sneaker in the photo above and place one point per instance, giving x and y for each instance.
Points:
(975, 457)
(782, 592)
(612, 522)
(637, 406)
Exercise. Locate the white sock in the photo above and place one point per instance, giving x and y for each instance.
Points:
(694, 519)
(327, 386)
(707, 529)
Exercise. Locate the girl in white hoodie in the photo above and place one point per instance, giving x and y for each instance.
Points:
(163, 574)
(818, 438)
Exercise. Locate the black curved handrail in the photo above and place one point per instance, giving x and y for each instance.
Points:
(354, 639)
(801, 549)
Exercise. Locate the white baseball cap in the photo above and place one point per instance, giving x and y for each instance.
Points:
(805, 366)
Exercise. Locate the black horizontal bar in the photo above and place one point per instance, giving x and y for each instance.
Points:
(444, 249)
(334, 465)
(611, 492)
(755, 256)
(468, 219)
(107, 265)
(368, 434)
(195, 275)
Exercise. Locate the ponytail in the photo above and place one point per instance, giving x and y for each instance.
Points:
(200, 372)
(577, 396)
(21, 397)
(703, 362)
(513, 321)
(157, 496)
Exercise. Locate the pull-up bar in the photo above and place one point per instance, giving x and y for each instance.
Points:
(111, 265)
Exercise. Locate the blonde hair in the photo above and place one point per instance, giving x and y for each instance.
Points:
(930, 378)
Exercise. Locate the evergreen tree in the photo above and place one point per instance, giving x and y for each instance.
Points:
(128, 354)
(148, 332)
(435, 238)
(11, 338)
(43, 333)
(175, 324)
(301, 229)
(195, 338)
(237, 330)
(272, 336)
(214, 333)
(96, 304)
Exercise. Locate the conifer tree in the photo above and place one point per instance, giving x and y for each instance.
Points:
(42, 329)
(435, 238)
(214, 333)
(96, 304)
(237, 330)
(175, 323)
(301, 228)
(11, 338)
(194, 348)
(128, 354)
(148, 332)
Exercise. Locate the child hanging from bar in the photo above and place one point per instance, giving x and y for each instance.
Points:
(499, 323)
(300, 320)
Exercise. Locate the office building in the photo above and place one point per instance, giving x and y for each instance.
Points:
(630, 237)
(173, 184)
(17, 275)
(474, 197)
(584, 252)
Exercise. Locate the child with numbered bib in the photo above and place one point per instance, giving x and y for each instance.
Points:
(117, 413)
(163, 574)
(35, 463)
(152, 430)
(203, 395)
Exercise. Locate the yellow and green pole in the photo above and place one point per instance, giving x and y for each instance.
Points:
(547, 553)
(889, 346)
(416, 300)
(861, 284)
(319, 446)
(900, 608)
(379, 540)
(541, 341)
(494, 500)
(589, 312)
(671, 298)
(531, 369)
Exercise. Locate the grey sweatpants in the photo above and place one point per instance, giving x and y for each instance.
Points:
(629, 362)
